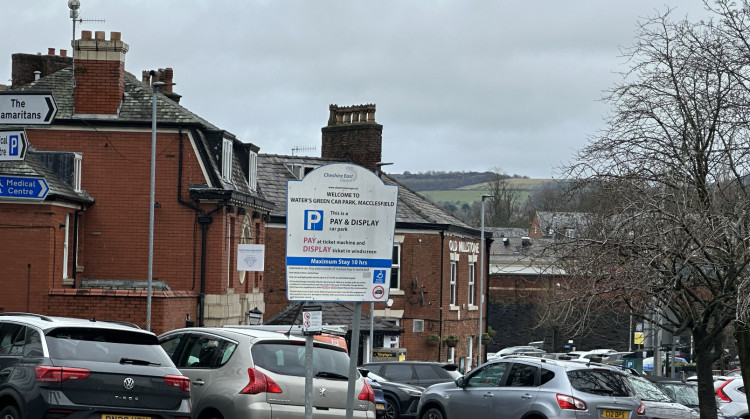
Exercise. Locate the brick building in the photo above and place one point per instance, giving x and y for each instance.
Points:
(435, 271)
(83, 250)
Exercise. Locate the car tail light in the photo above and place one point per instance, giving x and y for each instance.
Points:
(367, 393)
(641, 409)
(570, 402)
(721, 395)
(183, 383)
(259, 383)
(60, 374)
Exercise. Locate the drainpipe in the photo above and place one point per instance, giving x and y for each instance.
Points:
(440, 305)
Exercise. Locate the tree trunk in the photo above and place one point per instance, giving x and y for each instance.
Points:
(707, 352)
(742, 338)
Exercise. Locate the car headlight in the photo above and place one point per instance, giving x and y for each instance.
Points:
(413, 392)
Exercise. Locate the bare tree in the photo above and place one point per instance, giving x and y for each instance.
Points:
(503, 205)
(671, 238)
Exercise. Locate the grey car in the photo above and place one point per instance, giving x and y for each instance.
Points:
(241, 372)
(417, 373)
(658, 403)
(58, 367)
(533, 388)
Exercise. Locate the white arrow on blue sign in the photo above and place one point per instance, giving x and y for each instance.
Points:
(13, 145)
(27, 108)
(23, 187)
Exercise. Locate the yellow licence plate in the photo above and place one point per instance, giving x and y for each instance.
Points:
(615, 414)
(111, 416)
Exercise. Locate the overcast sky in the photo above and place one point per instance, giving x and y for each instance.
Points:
(459, 85)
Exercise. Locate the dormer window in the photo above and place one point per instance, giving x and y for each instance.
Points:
(226, 160)
(252, 172)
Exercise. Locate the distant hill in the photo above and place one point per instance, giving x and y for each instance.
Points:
(440, 181)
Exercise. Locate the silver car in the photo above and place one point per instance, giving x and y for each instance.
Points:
(533, 388)
(658, 403)
(731, 398)
(242, 373)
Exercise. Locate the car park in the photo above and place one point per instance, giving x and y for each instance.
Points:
(55, 367)
(244, 372)
(731, 397)
(418, 373)
(658, 403)
(525, 387)
(401, 399)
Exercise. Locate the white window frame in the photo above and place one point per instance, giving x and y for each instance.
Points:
(77, 168)
(252, 171)
(65, 247)
(453, 287)
(417, 326)
(451, 354)
(226, 159)
(396, 266)
(472, 283)
(469, 357)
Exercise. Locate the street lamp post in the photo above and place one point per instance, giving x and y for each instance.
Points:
(152, 203)
(481, 282)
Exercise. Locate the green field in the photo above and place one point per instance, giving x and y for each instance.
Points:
(469, 194)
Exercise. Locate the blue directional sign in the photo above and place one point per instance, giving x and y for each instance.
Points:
(23, 187)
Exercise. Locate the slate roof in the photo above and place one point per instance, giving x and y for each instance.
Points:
(334, 314)
(31, 166)
(137, 109)
(274, 171)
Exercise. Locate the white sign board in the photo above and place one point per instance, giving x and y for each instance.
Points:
(312, 320)
(27, 108)
(340, 223)
(251, 257)
(13, 145)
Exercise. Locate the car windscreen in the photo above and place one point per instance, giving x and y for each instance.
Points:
(685, 394)
(288, 358)
(602, 382)
(105, 345)
(648, 391)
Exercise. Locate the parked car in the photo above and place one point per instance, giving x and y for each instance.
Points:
(517, 388)
(684, 393)
(731, 397)
(243, 372)
(516, 350)
(658, 403)
(380, 403)
(418, 373)
(648, 363)
(401, 399)
(64, 367)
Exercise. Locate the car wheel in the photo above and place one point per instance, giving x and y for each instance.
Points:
(391, 408)
(433, 413)
(10, 412)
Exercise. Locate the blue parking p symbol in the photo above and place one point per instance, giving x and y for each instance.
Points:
(13, 142)
(314, 220)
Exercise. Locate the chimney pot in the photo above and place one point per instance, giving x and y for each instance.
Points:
(115, 36)
(50, 51)
(99, 35)
(86, 35)
(37, 75)
(63, 52)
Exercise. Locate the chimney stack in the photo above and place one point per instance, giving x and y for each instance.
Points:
(352, 135)
(99, 73)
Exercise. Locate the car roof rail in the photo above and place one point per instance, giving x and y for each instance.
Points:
(20, 313)
(120, 322)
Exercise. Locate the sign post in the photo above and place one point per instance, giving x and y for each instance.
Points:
(27, 108)
(340, 223)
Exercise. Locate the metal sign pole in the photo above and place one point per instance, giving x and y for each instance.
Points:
(353, 356)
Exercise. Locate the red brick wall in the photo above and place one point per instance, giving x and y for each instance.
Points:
(168, 309)
(31, 253)
(357, 143)
(99, 86)
(274, 278)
